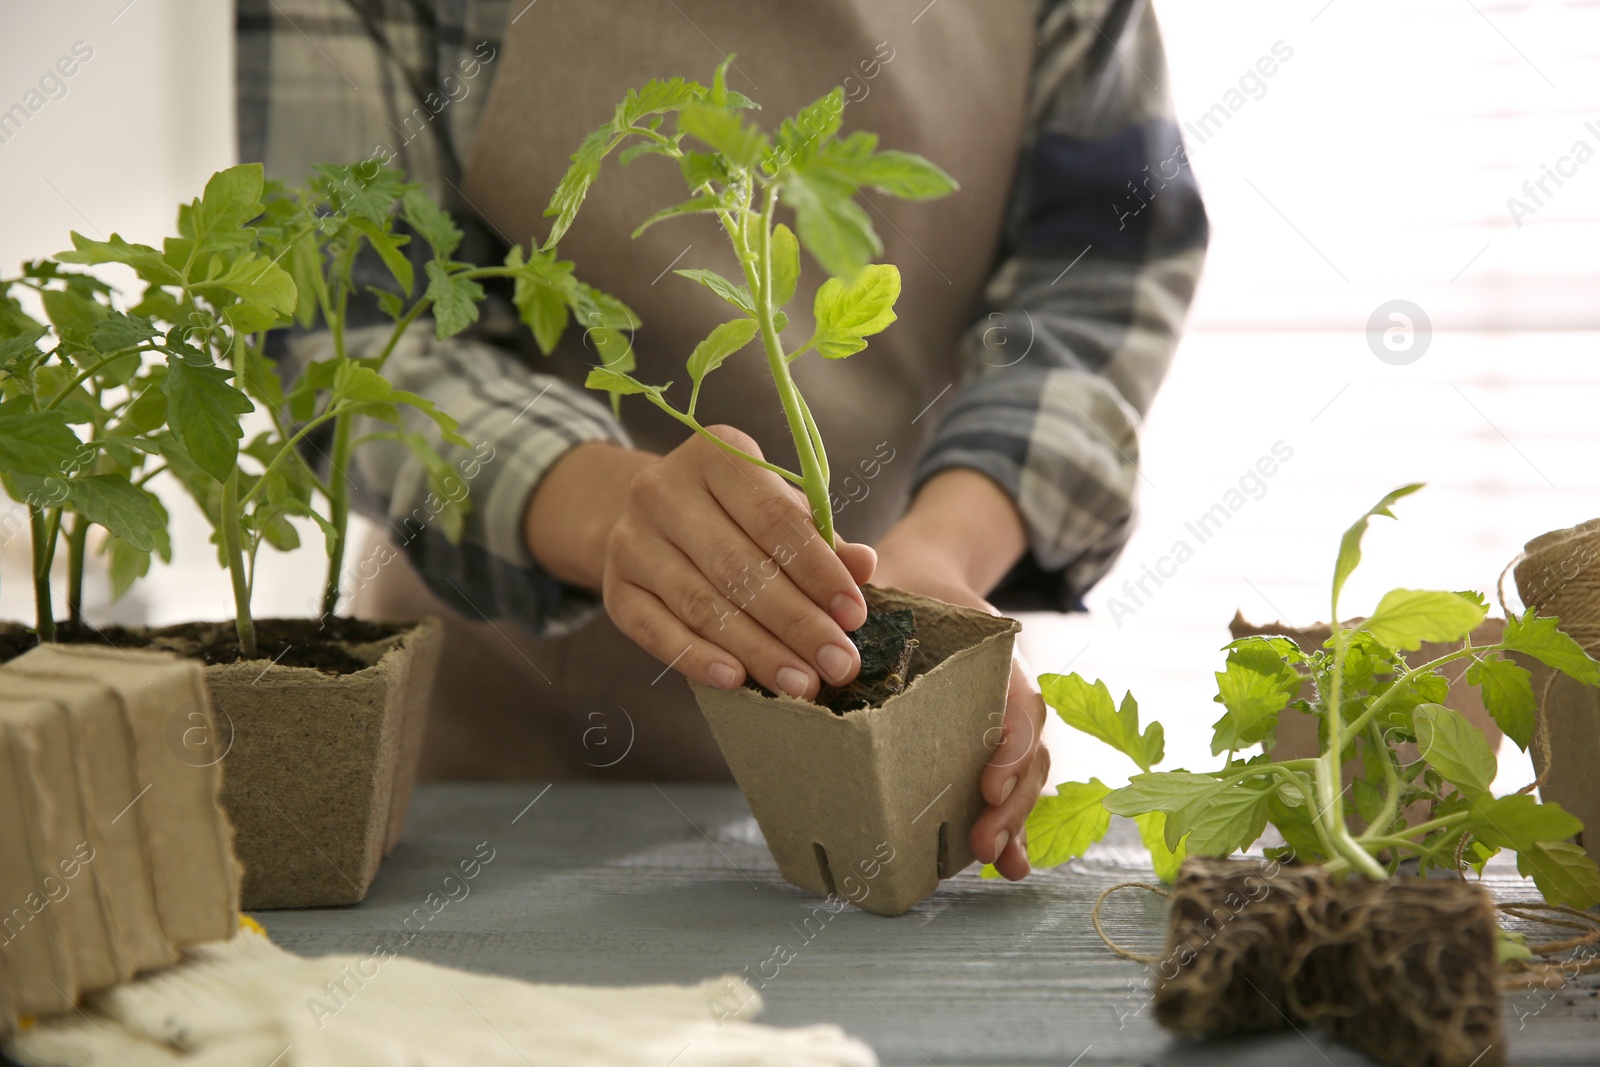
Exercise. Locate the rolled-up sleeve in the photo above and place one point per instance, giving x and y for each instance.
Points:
(1103, 247)
(518, 424)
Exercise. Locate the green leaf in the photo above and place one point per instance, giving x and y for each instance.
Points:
(1167, 861)
(903, 174)
(737, 295)
(452, 516)
(146, 261)
(37, 443)
(432, 222)
(616, 383)
(1062, 827)
(1350, 543)
(203, 409)
(1367, 798)
(657, 97)
(739, 141)
(1167, 791)
(118, 331)
(73, 314)
(702, 168)
(362, 190)
(1228, 818)
(1510, 946)
(785, 264)
(724, 341)
(265, 291)
(110, 500)
(1542, 639)
(800, 137)
(1563, 872)
(1089, 708)
(232, 198)
(1255, 686)
(455, 300)
(574, 185)
(1405, 618)
(700, 205)
(833, 227)
(125, 564)
(1507, 691)
(149, 407)
(1286, 809)
(542, 290)
(1519, 822)
(24, 346)
(388, 246)
(357, 383)
(846, 314)
(311, 288)
(1454, 747)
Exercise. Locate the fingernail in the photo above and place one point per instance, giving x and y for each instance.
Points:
(835, 663)
(793, 682)
(1000, 840)
(723, 676)
(1005, 790)
(847, 611)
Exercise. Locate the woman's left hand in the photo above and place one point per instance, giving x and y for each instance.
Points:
(1018, 768)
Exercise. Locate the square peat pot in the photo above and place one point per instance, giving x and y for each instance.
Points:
(319, 768)
(876, 805)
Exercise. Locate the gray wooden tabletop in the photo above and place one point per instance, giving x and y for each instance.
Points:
(626, 884)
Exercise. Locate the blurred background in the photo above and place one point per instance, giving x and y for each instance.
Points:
(1383, 160)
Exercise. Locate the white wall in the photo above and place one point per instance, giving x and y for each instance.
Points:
(141, 125)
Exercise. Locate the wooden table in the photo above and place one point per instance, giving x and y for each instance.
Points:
(623, 884)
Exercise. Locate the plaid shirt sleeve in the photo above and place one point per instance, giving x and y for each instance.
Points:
(1100, 255)
(1102, 250)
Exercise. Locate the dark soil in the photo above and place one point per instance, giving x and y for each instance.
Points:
(319, 644)
(1403, 969)
(886, 641)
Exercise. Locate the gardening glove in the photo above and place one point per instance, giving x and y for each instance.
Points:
(247, 1002)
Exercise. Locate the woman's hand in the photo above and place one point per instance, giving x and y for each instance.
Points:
(715, 567)
(961, 533)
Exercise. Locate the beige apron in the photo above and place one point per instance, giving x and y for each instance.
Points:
(947, 80)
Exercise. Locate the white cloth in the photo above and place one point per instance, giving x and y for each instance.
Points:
(247, 1003)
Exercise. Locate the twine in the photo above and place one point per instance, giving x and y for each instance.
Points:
(1094, 917)
(1523, 975)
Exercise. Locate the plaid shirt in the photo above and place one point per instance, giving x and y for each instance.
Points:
(1103, 243)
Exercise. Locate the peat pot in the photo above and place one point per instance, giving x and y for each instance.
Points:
(318, 761)
(320, 768)
(876, 805)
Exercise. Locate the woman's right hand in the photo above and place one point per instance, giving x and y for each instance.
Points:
(714, 566)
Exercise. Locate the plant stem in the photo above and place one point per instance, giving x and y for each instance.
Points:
(1360, 722)
(690, 421)
(43, 554)
(758, 274)
(1330, 795)
(338, 510)
(1391, 790)
(94, 368)
(77, 540)
(232, 546)
(400, 326)
(284, 451)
